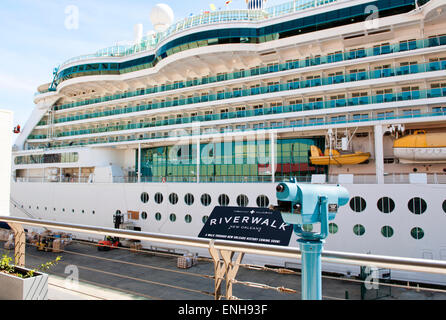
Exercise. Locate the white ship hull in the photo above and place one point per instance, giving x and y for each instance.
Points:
(75, 203)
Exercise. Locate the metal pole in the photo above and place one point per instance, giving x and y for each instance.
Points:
(406, 264)
(198, 160)
(311, 269)
(139, 162)
(272, 149)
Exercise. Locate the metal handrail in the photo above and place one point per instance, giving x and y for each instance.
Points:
(405, 264)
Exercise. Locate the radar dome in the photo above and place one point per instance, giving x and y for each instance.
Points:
(162, 17)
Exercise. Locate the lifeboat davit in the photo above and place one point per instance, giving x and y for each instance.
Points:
(334, 157)
(421, 147)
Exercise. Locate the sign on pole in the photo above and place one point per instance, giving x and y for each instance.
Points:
(257, 225)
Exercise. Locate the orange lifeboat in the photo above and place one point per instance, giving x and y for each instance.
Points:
(421, 147)
(334, 157)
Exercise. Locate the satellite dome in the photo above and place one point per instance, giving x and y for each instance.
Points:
(162, 17)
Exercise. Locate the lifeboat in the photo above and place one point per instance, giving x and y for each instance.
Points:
(421, 147)
(336, 158)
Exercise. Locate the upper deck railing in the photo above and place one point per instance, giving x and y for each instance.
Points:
(206, 18)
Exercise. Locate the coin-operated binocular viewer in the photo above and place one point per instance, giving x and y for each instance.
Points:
(302, 204)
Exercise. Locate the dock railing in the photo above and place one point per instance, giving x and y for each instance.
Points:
(224, 254)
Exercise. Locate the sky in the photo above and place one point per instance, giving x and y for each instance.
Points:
(38, 35)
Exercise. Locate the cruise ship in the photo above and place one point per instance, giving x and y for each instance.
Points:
(217, 108)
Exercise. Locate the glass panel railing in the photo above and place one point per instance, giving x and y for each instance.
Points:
(356, 101)
(418, 44)
(376, 74)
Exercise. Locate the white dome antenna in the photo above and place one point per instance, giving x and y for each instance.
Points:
(162, 17)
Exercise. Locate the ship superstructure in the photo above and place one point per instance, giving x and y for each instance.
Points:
(218, 107)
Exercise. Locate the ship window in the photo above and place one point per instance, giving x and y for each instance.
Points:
(173, 217)
(173, 198)
(386, 205)
(205, 199)
(357, 204)
(242, 200)
(158, 216)
(189, 199)
(417, 233)
(158, 197)
(144, 197)
(333, 228)
(359, 229)
(204, 219)
(262, 201)
(144, 215)
(387, 231)
(188, 218)
(444, 206)
(417, 205)
(223, 200)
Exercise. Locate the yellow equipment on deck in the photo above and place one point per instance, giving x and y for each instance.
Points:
(336, 158)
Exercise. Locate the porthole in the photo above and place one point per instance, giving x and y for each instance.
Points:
(173, 198)
(417, 205)
(188, 218)
(205, 199)
(158, 198)
(333, 228)
(144, 215)
(83, 211)
(242, 200)
(223, 200)
(158, 216)
(444, 206)
(204, 219)
(93, 212)
(357, 204)
(189, 199)
(359, 229)
(386, 205)
(144, 197)
(72, 210)
(387, 231)
(417, 233)
(63, 209)
(173, 217)
(262, 201)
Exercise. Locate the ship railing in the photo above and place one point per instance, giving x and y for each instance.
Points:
(393, 178)
(372, 275)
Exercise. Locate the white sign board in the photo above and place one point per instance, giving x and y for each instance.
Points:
(6, 128)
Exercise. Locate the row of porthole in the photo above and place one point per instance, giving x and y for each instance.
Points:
(416, 205)
(172, 217)
(387, 231)
(54, 209)
(359, 230)
(223, 199)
